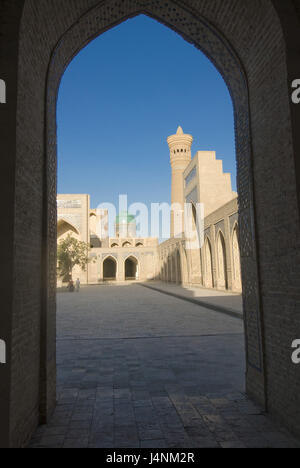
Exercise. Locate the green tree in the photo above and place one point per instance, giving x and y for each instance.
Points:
(71, 252)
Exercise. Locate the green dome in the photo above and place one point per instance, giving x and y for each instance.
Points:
(125, 217)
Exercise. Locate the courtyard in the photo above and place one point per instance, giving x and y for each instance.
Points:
(138, 368)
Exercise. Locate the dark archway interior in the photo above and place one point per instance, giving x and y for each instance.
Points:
(109, 269)
(131, 269)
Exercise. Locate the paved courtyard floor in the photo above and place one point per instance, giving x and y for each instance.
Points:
(138, 368)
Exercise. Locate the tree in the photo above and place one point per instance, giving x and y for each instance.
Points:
(70, 253)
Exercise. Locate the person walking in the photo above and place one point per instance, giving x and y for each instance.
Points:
(77, 285)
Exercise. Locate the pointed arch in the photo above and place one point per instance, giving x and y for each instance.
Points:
(110, 267)
(208, 274)
(173, 267)
(178, 267)
(64, 227)
(222, 276)
(131, 268)
(126, 244)
(236, 259)
(197, 22)
(194, 250)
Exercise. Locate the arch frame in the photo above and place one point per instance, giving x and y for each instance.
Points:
(126, 244)
(138, 263)
(63, 220)
(65, 51)
(32, 31)
(235, 228)
(207, 242)
(220, 235)
(108, 257)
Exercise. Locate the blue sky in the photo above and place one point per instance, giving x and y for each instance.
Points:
(119, 100)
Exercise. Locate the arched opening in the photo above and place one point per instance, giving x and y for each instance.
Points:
(222, 262)
(126, 244)
(194, 250)
(208, 280)
(114, 245)
(110, 269)
(178, 267)
(139, 244)
(225, 39)
(169, 263)
(236, 261)
(65, 228)
(131, 269)
(174, 271)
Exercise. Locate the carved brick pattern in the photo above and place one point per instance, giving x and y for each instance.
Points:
(246, 240)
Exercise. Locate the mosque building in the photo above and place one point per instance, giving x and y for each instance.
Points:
(213, 261)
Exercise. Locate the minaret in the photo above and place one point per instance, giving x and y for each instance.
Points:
(180, 152)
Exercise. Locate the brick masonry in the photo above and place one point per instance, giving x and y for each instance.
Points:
(256, 50)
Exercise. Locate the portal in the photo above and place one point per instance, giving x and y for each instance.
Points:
(131, 269)
(110, 269)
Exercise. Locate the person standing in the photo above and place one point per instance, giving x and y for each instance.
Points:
(77, 285)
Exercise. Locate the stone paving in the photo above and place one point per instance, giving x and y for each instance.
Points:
(138, 368)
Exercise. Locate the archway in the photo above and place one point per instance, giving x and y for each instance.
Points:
(209, 279)
(227, 61)
(64, 228)
(236, 261)
(222, 262)
(131, 269)
(225, 38)
(178, 268)
(126, 244)
(194, 248)
(110, 269)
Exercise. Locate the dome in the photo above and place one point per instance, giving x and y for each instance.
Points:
(125, 217)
